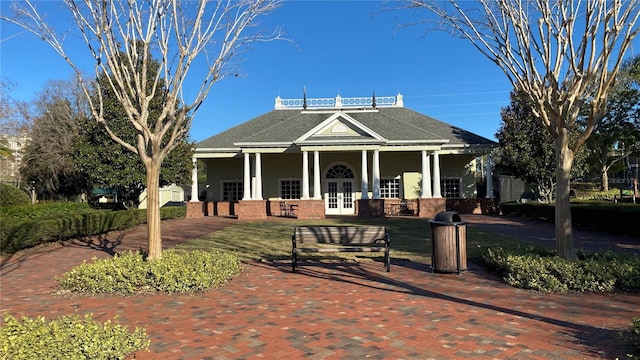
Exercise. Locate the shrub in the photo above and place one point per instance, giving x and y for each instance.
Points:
(11, 195)
(532, 267)
(130, 272)
(593, 215)
(43, 210)
(68, 337)
(635, 332)
(21, 234)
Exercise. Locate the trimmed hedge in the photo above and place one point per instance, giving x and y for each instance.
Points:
(537, 268)
(635, 331)
(607, 217)
(21, 234)
(43, 210)
(11, 195)
(69, 337)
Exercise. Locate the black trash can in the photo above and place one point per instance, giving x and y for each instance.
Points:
(448, 243)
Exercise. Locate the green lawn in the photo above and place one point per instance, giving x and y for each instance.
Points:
(271, 240)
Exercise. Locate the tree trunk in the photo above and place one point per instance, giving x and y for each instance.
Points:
(153, 211)
(605, 179)
(564, 234)
(604, 158)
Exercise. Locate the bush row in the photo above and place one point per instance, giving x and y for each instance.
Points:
(43, 210)
(615, 218)
(69, 337)
(131, 273)
(635, 331)
(11, 195)
(21, 234)
(537, 268)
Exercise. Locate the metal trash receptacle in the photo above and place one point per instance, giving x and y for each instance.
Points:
(448, 243)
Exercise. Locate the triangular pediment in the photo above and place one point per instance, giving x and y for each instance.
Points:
(337, 126)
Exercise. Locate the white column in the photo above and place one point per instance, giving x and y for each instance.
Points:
(376, 174)
(247, 177)
(305, 175)
(436, 175)
(316, 175)
(194, 180)
(426, 176)
(489, 176)
(364, 182)
(258, 195)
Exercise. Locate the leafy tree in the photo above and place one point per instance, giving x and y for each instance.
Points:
(618, 134)
(560, 54)
(109, 165)
(47, 162)
(179, 34)
(527, 150)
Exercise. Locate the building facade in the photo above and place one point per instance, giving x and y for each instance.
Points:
(364, 156)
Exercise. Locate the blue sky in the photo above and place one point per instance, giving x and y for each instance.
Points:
(340, 48)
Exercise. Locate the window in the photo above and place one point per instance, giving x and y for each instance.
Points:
(340, 172)
(450, 188)
(290, 189)
(232, 190)
(390, 188)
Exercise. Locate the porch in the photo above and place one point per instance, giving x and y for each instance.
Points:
(315, 209)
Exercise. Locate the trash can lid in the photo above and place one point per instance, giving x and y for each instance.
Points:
(447, 217)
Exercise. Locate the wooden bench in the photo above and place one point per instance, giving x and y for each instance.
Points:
(340, 239)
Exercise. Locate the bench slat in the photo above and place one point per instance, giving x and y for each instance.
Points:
(356, 236)
(342, 249)
(339, 234)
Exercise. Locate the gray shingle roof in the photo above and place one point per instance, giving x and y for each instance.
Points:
(391, 123)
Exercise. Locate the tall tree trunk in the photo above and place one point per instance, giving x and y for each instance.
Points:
(604, 158)
(605, 179)
(564, 234)
(153, 210)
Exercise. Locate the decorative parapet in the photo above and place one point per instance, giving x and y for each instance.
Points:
(340, 102)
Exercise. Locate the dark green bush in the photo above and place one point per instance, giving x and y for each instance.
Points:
(43, 210)
(11, 195)
(130, 273)
(593, 215)
(68, 337)
(532, 267)
(635, 332)
(21, 234)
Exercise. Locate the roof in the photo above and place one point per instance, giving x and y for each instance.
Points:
(384, 126)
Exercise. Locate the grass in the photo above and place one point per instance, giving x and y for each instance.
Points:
(271, 240)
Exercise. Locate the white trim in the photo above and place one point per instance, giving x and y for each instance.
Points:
(327, 122)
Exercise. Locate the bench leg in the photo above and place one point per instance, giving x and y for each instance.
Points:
(294, 260)
(387, 261)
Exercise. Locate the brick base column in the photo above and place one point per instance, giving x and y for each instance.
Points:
(195, 209)
(428, 208)
(310, 209)
(251, 209)
(370, 208)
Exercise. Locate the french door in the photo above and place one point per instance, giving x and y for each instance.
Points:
(339, 197)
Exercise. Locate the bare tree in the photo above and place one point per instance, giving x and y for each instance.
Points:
(559, 53)
(47, 163)
(12, 121)
(177, 34)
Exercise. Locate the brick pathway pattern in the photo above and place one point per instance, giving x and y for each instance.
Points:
(336, 310)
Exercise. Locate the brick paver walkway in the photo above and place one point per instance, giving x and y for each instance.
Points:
(333, 310)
